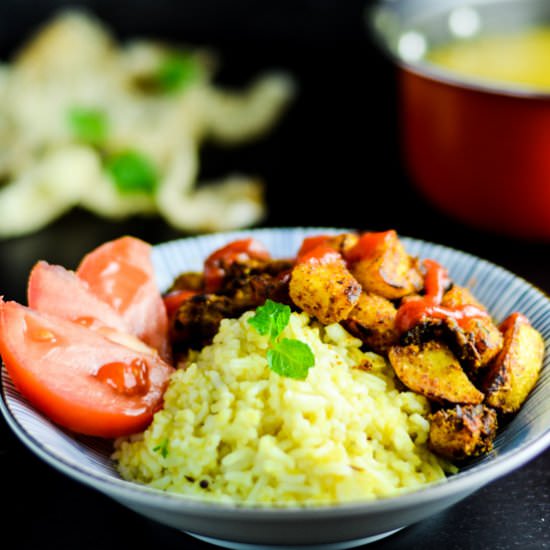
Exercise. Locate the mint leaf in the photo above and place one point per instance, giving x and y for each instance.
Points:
(290, 358)
(270, 319)
(132, 172)
(286, 357)
(177, 71)
(88, 125)
(162, 448)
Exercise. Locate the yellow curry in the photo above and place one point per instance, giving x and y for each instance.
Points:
(519, 58)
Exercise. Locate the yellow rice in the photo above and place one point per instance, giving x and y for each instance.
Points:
(233, 430)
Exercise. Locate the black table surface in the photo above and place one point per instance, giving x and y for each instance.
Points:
(334, 160)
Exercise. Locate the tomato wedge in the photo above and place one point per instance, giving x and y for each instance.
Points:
(121, 273)
(54, 290)
(78, 378)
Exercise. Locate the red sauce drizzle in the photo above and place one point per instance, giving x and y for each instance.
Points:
(216, 264)
(127, 378)
(512, 321)
(368, 244)
(436, 280)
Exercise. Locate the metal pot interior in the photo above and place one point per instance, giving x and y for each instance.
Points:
(408, 29)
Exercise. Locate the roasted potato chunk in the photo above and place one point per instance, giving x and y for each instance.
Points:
(324, 289)
(390, 271)
(458, 296)
(344, 243)
(515, 370)
(463, 432)
(373, 321)
(475, 341)
(433, 371)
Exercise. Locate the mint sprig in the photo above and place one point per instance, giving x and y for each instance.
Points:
(287, 356)
(290, 358)
(270, 319)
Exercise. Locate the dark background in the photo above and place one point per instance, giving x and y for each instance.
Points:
(334, 160)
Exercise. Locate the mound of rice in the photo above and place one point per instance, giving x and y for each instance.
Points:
(233, 430)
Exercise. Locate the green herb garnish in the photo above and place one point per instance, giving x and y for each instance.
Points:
(286, 357)
(177, 71)
(290, 358)
(162, 448)
(270, 319)
(88, 125)
(132, 172)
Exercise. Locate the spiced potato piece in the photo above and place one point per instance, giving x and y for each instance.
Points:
(389, 272)
(373, 321)
(344, 242)
(474, 341)
(515, 370)
(463, 431)
(458, 296)
(325, 288)
(432, 370)
(477, 340)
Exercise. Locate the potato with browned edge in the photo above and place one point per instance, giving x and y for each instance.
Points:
(372, 320)
(324, 288)
(344, 242)
(389, 271)
(463, 431)
(515, 370)
(477, 340)
(432, 370)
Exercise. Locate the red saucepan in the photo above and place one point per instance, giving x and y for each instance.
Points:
(479, 151)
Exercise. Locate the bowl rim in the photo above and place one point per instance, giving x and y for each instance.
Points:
(438, 74)
(462, 482)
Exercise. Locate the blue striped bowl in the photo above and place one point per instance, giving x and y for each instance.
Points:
(341, 526)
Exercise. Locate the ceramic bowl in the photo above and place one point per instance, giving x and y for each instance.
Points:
(87, 460)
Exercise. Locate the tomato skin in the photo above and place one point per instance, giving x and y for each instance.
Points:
(121, 273)
(216, 264)
(54, 290)
(59, 374)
